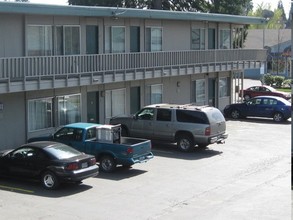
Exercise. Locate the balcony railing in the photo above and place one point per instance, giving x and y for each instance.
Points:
(22, 69)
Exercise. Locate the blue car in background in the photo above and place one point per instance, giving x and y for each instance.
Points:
(277, 108)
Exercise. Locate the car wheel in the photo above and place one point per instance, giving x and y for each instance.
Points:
(185, 142)
(246, 97)
(107, 164)
(235, 114)
(278, 117)
(50, 180)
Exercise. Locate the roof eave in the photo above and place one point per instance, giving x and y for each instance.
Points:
(90, 11)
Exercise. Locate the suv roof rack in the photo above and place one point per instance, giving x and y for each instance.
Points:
(191, 106)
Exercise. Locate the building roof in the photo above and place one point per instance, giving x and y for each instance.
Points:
(92, 11)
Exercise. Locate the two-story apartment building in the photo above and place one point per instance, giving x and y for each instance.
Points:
(63, 64)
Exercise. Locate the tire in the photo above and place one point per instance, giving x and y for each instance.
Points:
(107, 164)
(49, 180)
(246, 97)
(278, 117)
(185, 142)
(235, 114)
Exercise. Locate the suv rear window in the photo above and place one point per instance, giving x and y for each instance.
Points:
(191, 117)
(215, 116)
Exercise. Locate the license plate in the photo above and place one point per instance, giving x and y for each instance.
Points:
(141, 158)
(84, 165)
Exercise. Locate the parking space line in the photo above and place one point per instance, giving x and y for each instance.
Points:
(16, 189)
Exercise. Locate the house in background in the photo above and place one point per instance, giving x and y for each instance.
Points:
(64, 64)
(278, 44)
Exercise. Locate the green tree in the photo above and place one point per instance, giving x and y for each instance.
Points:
(214, 6)
(233, 7)
(275, 18)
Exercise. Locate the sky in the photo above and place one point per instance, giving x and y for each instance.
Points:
(273, 3)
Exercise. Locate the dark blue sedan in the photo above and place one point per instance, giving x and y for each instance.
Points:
(277, 108)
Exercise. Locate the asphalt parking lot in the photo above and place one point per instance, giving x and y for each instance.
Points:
(248, 177)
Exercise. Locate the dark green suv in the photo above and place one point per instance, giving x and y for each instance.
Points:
(188, 125)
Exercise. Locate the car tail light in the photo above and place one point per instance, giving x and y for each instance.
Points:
(93, 161)
(72, 166)
(207, 131)
(130, 150)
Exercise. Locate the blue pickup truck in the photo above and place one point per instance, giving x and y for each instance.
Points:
(104, 142)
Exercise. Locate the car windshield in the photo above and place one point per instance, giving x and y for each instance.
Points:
(62, 151)
(271, 88)
(286, 102)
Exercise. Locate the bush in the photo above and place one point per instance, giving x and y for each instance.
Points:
(270, 80)
(278, 80)
(287, 83)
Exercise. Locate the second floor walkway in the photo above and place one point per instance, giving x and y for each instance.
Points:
(47, 72)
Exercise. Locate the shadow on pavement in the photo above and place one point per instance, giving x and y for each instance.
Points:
(171, 151)
(33, 187)
(121, 173)
(260, 120)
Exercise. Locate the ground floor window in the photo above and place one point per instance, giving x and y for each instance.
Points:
(199, 91)
(69, 109)
(224, 87)
(156, 94)
(40, 114)
(115, 102)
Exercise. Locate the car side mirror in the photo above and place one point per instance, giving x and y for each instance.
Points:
(134, 117)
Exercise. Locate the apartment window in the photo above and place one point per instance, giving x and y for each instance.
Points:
(115, 102)
(39, 40)
(224, 87)
(225, 39)
(118, 39)
(198, 39)
(40, 114)
(67, 40)
(199, 91)
(69, 109)
(115, 39)
(156, 93)
(153, 39)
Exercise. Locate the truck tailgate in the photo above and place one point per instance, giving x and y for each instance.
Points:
(139, 146)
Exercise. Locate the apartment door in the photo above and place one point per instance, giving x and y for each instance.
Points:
(134, 99)
(93, 107)
(92, 39)
(211, 38)
(212, 92)
(134, 39)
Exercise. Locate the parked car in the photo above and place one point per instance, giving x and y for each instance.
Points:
(254, 91)
(104, 142)
(188, 125)
(49, 162)
(261, 106)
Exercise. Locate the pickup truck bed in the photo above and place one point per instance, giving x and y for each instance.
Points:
(109, 148)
